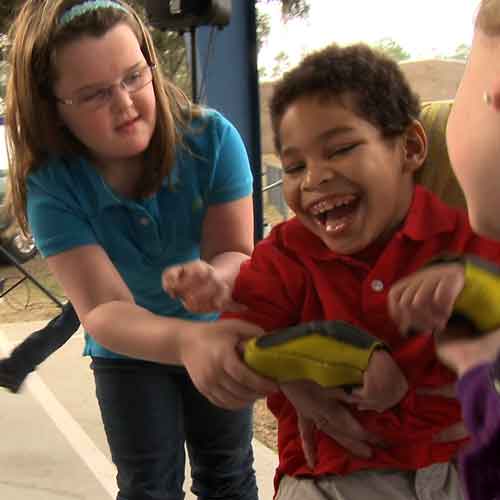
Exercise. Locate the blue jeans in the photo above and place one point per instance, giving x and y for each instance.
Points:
(149, 412)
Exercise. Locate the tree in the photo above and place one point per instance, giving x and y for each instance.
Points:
(461, 52)
(290, 9)
(281, 64)
(263, 28)
(391, 48)
(7, 8)
(295, 8)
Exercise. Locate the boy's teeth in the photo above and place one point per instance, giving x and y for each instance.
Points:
(325, 206)
(332, 226)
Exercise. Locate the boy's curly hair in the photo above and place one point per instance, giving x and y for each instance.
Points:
(376, 85)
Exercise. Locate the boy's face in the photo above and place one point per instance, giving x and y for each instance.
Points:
(345, 183)
(473, 135)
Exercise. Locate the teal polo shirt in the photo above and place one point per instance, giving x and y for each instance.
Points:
(70, 205)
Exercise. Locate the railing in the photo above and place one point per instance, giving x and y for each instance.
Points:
(272, 186)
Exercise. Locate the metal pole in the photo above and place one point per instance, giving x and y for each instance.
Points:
(27, 275)
(194, 65)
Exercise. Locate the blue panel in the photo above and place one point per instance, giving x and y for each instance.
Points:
(229, 83)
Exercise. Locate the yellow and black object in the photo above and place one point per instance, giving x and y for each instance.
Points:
(330, 353)
(479, 301)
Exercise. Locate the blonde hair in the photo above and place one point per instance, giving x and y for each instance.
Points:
(488, 17)
(34, 132)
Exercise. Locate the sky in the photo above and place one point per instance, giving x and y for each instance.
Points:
(424, 28)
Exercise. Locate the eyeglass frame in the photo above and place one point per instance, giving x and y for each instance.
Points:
(110, 88)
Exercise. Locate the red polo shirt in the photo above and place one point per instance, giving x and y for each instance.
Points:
(293, 277)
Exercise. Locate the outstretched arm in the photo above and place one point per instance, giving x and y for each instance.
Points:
(206, 284)
(209, 351)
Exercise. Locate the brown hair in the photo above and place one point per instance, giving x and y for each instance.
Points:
(488, 17)
(32, 124)
(376, 85)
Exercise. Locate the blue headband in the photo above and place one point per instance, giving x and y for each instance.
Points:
(89, 6)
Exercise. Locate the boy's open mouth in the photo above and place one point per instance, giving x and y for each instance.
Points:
(334, 214)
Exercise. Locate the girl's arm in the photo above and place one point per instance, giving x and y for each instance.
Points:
(208, 350)
(206, 285)
(228, 235)
(107, 309)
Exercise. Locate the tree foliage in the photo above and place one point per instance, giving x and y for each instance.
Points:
(290, 9)
(391, 48)
(461, 52)
(7, 8)
(281, 64)
(263, 28)
(295, 8)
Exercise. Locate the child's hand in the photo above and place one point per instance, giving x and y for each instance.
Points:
(460, 351)
(319, 408)
(211, 353)
(384, 384)
(198, 287)
(424, 300)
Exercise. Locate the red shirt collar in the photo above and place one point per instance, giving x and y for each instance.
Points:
(427, 217)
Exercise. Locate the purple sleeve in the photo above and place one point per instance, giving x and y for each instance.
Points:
(480, 399)
(478, 391)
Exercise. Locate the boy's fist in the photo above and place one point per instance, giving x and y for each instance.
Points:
(424, 300)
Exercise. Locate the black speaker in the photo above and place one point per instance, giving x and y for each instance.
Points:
(182, 15)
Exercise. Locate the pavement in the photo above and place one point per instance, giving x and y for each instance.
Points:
(52, 443)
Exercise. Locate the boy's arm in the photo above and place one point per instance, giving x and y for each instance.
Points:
(450, 289)
(329, 353)
(332, 354)
(479, 300)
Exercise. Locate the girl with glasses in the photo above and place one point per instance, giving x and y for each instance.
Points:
(120, 178)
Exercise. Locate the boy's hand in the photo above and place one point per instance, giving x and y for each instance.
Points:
(319, 408)
(198, 287)
(211, 353)
(384, 384)
(424, 300)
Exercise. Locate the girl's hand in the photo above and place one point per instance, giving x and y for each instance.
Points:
(198, 287)
(384, 384)
(319, 408)
(424, 300)
(211, 353)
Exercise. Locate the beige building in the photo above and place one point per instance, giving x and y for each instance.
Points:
(434, 79)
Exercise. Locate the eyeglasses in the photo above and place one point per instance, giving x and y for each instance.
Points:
(94, 98)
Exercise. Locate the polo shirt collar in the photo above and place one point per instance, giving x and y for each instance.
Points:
(105, 196)
(426, 218)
